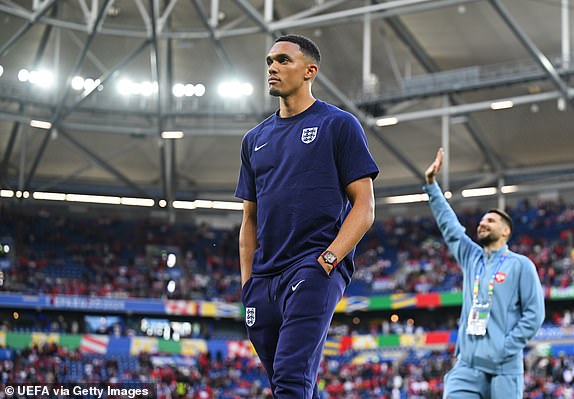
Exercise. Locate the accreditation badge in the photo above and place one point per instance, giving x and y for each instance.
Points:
(478, 319)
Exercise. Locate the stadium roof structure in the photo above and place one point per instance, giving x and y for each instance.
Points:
(486, 79)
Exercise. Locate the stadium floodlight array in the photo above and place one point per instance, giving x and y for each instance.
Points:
(88, 84)
(126, 87)
(188, 90)
(229, 205)
(235, 89)
(115, 200)
(41, 78)
(468, 193)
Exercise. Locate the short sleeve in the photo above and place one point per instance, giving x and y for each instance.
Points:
(354, 160)
(246, 182)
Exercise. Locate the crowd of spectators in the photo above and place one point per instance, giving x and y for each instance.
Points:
(412, 374)
(422, 263)
(123, 258)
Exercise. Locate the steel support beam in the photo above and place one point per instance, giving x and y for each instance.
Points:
(221, 53)
(345, 15)
(15, 129)
(132, 145)
(340, 96)
(170, 152)
(395, 8)
(145, 17)
(445, 139)
(103, 164)
(565, 37)
(464, 109)
(62, 103)
(214, 14)
(534, 51)
(166, 176)
(166, 14)
(219, 49)
(25, 28)
(9, 149)
(91, 56)
(367, 50)
(106, 76)
(313, 10)
(431, 66)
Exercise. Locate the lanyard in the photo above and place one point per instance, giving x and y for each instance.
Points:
(491, 282)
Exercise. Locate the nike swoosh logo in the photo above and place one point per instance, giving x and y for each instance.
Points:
(294, 287)
(258, 147)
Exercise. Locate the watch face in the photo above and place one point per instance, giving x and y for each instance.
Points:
(329, 257)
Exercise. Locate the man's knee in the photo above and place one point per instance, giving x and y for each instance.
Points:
(507, 387)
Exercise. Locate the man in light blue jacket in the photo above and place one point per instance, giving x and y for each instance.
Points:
(503, 302)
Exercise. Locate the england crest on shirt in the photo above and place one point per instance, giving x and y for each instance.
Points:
(309, 134)
(250, 317)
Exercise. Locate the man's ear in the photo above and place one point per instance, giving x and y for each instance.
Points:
(506, 231)
(311, 71)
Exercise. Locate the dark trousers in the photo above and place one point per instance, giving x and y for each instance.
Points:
(287, 318)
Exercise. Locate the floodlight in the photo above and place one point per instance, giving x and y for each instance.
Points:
(171, 286)
(387, 121)
(137, 201)
(171, 260)
(407, 199)
(147, 88)
(231, 89)
(199, 90)
(124, 87)
(178, 89)
(479, 192)
(38, 195)
(94, 199)
(247, 89)
(40, 124)
(77, 83)
(501, 105)
(90, 84)
(41, 78)
(1, 70)
(23, 75)
(172, 134)
(508, 189)
(189, 90)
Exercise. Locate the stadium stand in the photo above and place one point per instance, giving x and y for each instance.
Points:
(85, 279)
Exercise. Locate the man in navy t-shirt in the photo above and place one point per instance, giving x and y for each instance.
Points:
(306, 179)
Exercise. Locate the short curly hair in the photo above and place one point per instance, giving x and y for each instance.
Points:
(307, 46)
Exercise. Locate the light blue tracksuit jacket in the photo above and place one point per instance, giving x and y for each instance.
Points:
(517, 304)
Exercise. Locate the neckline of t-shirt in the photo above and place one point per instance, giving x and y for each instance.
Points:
(290, 119)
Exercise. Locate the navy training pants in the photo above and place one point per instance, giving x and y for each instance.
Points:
(287, 317)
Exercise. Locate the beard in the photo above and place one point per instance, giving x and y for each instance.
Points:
(274, 92)
(487, 239)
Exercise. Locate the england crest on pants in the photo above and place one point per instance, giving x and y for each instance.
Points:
(250, 316)
(309, 134)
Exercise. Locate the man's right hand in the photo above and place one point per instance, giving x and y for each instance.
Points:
(434, 167)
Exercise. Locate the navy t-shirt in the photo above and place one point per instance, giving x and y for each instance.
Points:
(296, 170)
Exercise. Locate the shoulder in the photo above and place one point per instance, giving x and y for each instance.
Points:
(343, 125)
(522, 260)
(337, 114)
(253, 132)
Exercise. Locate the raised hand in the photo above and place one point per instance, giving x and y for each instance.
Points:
(434, 167)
